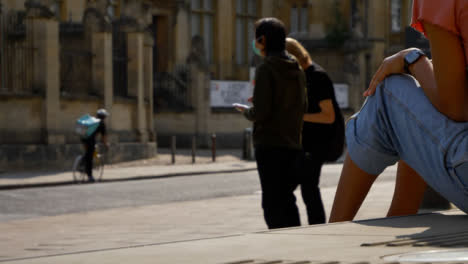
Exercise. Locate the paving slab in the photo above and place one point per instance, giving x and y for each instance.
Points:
(160, 166)
(220, 230)
(31, 179)
(118, 229)
(365, 241)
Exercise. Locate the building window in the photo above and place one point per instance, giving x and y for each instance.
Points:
(203, 24)
(246, 15)
(299, 18)
(113, 9)
(59, 8)
(396, 15)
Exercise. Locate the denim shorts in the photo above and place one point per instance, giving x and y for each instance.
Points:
(399, 122)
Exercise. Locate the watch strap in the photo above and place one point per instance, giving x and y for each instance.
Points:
(408, 62)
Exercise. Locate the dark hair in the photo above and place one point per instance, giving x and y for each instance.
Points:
(275, 34)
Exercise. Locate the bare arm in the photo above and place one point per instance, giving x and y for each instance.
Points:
(450, 93)
(443, 80)
(325, 116)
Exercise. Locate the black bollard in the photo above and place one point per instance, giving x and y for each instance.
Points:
(173, 148)
(244, 146)
(247, 153)
(213, 147)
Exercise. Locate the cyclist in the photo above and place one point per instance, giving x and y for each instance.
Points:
(90, 143)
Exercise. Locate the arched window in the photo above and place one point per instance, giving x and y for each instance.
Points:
(246, 15)
(202, 23)
(299, 18)
(395, 16)
(113, 9)
(59, 8)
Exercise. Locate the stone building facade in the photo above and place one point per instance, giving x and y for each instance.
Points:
(61, 59)
(152, 63)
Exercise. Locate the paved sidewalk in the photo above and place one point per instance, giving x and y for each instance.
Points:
(160, 166)
(111, 231)
(215, 230)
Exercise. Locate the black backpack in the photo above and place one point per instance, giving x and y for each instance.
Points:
(330, 148)
(336, 146)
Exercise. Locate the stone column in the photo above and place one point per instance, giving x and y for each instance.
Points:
(225, 27)
(267, 8)
(44, 34)
(201, 102)
(102, 69)
(318, 18)
(406, 11)
(354, 71)
(182, 33)
(136, 81)
(148, 84)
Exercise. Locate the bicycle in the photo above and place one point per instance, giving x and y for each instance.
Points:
(79, 173)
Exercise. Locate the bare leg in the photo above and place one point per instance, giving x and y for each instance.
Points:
(352, 190)
(409, 191)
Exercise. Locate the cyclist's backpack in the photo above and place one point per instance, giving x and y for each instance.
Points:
(86, 125)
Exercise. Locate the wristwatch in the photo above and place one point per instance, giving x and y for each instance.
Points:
(412, 57)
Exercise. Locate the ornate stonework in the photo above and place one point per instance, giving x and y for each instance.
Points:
(36, 9)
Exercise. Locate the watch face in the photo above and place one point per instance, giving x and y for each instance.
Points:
(412, 56)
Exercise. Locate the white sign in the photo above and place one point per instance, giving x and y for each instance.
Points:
(225, 93)
(341, 94)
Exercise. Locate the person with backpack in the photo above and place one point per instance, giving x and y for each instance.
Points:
(279, 103)
(323, 130)
(88, 138)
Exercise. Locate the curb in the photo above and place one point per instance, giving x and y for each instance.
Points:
(131, 178)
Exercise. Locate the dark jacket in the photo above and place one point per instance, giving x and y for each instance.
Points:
(279, 103)
(91, 140)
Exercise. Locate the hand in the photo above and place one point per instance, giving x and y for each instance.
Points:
(391, 65)
(250, 99)
(240, 107)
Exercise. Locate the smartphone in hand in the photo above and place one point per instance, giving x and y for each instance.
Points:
(240, 107)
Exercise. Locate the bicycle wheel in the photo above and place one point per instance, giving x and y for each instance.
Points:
(79, 174)
(98, 167)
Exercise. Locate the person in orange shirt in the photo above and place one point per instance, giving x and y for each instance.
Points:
(416, 114)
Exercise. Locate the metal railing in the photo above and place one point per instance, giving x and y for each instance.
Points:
(75, 61)
(119, 60)
(171, 92)
(16, 55)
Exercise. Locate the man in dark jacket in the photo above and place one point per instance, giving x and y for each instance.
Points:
(279, 103)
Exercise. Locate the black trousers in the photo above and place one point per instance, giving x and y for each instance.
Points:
(310, 175)
(88, 158)
(278, 169)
